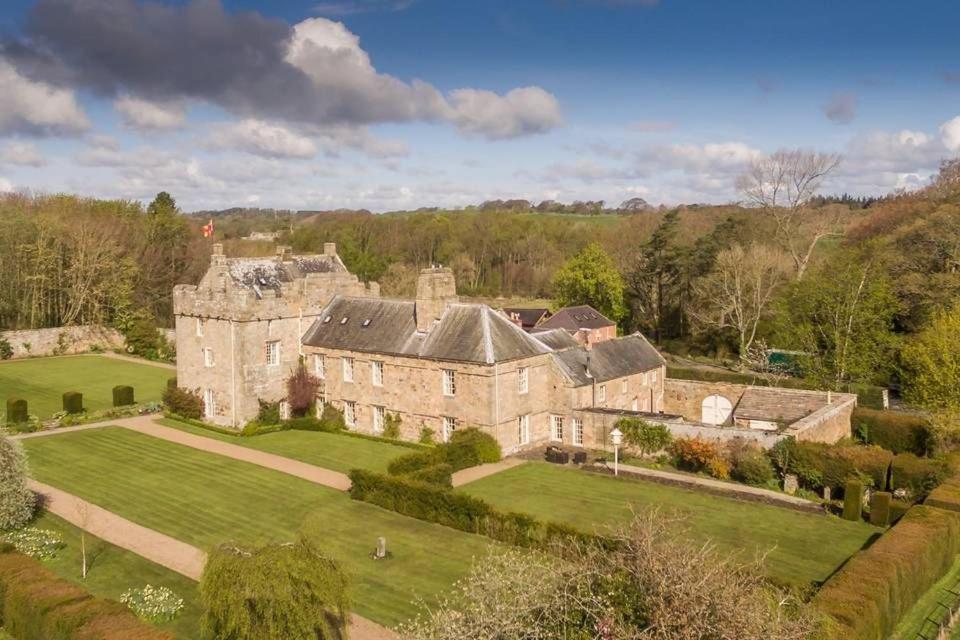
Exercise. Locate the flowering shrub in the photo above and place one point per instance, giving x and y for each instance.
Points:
(36, 543)
(693, 453)
(157, 604)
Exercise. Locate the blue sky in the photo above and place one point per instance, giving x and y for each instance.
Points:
(391, 104)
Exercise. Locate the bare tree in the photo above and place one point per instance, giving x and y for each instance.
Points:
(83, 520)
(738, 292)
(783, 184)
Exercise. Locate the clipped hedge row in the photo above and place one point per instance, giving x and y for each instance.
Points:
(35, 604)
(437, 504)
(467, 448)
(893, 430)
(868, 596)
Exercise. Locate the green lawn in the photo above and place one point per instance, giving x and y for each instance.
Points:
(328, 450)
(919, 618)
(805, 547)
(43, 381)
(204, 499)
(112, 570)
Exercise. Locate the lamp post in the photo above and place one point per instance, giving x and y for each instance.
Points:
(616, 436)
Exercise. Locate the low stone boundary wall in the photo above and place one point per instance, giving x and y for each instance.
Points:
(59, 341)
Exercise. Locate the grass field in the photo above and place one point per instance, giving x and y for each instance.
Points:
(803, 547)
(112, 570)
(43, 381)
(328, 450)
(205, 499)
(919, 618)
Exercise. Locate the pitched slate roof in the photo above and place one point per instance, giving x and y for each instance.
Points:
(576, 318)
(556, 339)
(608, 360)
(259, 274)
(759, 403)
(464, 333)
(528, 317)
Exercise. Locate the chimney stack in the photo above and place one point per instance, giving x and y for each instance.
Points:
(284, 253)
(217, 257)
(436, 288)
(329, 248)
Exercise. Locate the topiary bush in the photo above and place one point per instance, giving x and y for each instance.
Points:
(918, 476)
(17, 411)
(426, 435)
(122, 396)
(183, 402)
(332, 418)
(73, 402)
(391, 426)
(485, 446)
(438, 474)
(17, 502)
(853, 500)
(895, 431)
(753, 467)
(880, 502)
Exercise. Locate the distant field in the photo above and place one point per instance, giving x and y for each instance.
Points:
(43, 381)
(327, 450)
(205, 499)
(803, 547)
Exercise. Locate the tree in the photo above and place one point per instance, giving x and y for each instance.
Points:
(931, 364)
(590, 277)
(645, 436)
(273, 592)
(783, 184)
(647, 583)
(653, 276)
(738, 293)
(301, 391)
(17, 502)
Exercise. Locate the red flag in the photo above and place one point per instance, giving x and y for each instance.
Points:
(208, 229)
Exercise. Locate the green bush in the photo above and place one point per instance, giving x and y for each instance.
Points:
(391, 426)
(332, 418)
(17, 411)
(819, 465)
(918, 476)
(269, 412)
(853, 500)
(73, 402)
(467, 448)
(183, 402)
(122, 396)
(411, 462)
(6, 349)
(880, 508)
(306, 423)
(486, 447)
(753, 467)
(438, 474)
(869, 595)
(426, 435)
(172, 382)
(946, 496)
(895, 431)
(35, 604)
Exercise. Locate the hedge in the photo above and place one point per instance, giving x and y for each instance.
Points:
(880, 508)
(946, 496)
(35, 604)
(868, 596)
(893, 430)
(917, 475)
(439, 505)
(467, 448)
(122, 395)
(853, 500)
(73, 402)
(17, 411)
(819, 465)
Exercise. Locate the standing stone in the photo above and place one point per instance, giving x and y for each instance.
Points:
(826, 494)
(790, 483)
(381, 548)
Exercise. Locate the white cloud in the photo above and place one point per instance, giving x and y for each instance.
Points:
(950, 132)
(519, 112)
(710, 158)
(22, 154)
(5, 185)
(145, 115)
(37, 108)
(261, 138)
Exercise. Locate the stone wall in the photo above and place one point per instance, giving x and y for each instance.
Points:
(685, 397)
(829, 424)
(58, 341)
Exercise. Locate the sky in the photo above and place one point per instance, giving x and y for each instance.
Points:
(399, 104)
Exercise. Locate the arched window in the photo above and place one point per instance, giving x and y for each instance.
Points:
(715, 410)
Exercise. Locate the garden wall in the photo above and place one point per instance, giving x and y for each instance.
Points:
(58, 341)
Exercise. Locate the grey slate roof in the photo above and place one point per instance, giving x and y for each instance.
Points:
(609, 359)
(576, 318)
(758, 403)
(528, 317)
(269, 273)
(556, 339)
(464, 333)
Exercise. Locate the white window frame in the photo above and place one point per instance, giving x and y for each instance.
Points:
(523, 430)
(319, 366)
(578, 432)
(556, 428)
(350, 413)
(321, 401)
(347, 369)
(284, 410)
(602, 393)
(200, 323)
(209, 404)
(376, 373)
(273, 353)
(624, 386)
(449, 383)
(379, 419)
(449, 427)
(208, 359)
(523, 380)
(653, 375)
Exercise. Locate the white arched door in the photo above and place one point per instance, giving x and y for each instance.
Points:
(715, 410)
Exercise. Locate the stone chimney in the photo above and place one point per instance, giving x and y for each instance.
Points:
(284, 253)
(436, 287)
(329, 248)
(217, 257)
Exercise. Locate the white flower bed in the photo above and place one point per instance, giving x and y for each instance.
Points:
(157, 604)
(36, 543)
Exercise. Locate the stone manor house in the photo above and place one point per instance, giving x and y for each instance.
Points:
(442, 364)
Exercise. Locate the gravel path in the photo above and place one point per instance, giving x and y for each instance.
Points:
(472, 474)
(157, 547)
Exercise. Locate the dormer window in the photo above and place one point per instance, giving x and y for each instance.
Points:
(344, 320)
(327, 319)
(366, 323)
